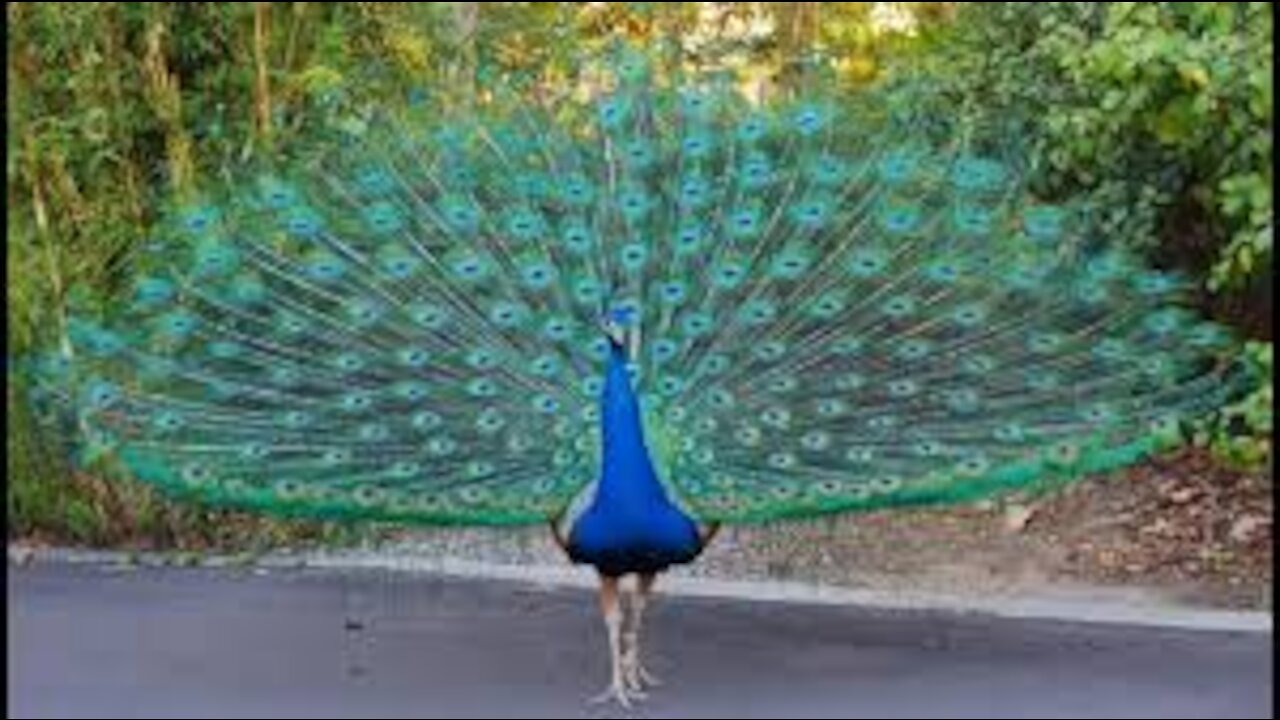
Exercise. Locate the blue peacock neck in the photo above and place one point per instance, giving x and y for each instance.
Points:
(628, 478)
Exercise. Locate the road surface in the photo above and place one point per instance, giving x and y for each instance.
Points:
(95, 642)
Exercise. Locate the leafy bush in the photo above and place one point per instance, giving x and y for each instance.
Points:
(1158, 114)
(113, 107)
(1241, 434)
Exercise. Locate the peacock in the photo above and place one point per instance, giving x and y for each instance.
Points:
(632, 313)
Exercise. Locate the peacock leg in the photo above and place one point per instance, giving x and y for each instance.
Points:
(611, 608)
(637, 677)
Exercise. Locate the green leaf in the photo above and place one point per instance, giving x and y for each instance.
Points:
(1195, 76)
(1176, 122)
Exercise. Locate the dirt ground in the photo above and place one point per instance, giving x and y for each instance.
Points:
(1183, 526)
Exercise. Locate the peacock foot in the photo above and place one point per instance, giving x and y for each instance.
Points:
(620, 693)
(638, 677)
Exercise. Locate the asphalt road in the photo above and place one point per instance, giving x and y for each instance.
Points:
(90, 642)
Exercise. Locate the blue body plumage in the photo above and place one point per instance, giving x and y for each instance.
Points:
(631, 525)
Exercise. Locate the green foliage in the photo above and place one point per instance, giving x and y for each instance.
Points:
(113, 107)
(1158, 114)
(1149, 107)
(1241, 434)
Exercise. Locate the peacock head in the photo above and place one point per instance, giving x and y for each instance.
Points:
(621, 326)
(615, 324)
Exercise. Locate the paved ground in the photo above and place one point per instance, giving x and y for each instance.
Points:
(90, 642)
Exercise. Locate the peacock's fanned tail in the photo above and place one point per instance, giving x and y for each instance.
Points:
(834, 315)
